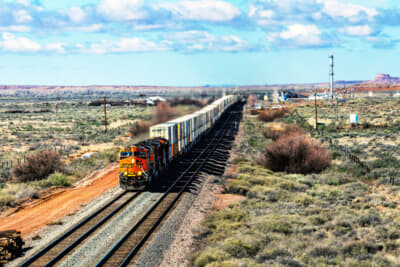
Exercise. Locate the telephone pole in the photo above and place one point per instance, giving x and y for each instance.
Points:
(316, 112)
(105, 115)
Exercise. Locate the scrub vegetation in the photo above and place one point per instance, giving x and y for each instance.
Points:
(44, 135)
(302, 216)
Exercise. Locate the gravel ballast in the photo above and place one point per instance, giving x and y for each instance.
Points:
(50, 232)
(177, 230)
(96, 246)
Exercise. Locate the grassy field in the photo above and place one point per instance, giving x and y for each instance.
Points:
(67, 124)
(337, 217)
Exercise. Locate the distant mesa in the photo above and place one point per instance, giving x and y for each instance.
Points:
(384, 79)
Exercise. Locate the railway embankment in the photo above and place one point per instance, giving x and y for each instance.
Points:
(292, 219)
(62, 209)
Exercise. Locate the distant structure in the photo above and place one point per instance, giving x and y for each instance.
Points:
(331, 74)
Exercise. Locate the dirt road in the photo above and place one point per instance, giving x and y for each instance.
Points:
(31, 217)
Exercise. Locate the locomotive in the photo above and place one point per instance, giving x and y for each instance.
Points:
(141, 163)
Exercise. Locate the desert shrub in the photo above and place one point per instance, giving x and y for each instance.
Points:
(185, 101)
(296, 154)
(288, 129)
(56, 179)
(139, 127)
(163, 113)
(271, 115)
(360, 248)
(27, 192)
(239, 249)
(272, 253)
(207, 256)
(325, 251)
(38, 166)
(372, 218)
(276, 225)
(238, 160)
(240, 187)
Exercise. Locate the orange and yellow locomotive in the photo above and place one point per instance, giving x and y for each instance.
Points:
(141, 163)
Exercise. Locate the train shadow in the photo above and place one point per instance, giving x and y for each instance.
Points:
(215, 164)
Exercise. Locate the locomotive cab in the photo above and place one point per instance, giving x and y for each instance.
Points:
(134, 167)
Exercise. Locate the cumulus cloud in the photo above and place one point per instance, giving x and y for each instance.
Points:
(202, 41)
(124, 45)
(12, 43)
(203, 10)
(335, 9)
(122, 10)
(191, 25)
(270, 13)
(22, 16)
(300, 36)
(76, 14)
(362, 30)
(15, 28)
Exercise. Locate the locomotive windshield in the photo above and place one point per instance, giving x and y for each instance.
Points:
(125, 155)
(140, 154)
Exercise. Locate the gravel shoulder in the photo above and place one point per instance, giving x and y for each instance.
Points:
(176, 237)
(97, 246)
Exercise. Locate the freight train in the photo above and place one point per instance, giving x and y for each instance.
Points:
(140, 164)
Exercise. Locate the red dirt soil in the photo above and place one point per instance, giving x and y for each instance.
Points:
(224, 200)
(31, 217)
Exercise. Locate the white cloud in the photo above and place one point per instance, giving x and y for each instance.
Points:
(122, 10)
(22, 16)
(124, 45)
(203, 10)
(137, 45)
(202, 41)
(298, 35)
(335, 8)
(56, 47)
(12, 43)
(15, 28)
(85, 28)
(363, 30)
(76, 14)
(24, 2)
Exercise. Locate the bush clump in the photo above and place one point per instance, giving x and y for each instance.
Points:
(38, 166)
(139, 127)
(296, 154)
(56, 179)
(271, 115)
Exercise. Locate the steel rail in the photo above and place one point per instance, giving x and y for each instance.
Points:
(54, 243)
(126, 260)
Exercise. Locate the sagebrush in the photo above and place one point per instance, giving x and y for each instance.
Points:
(38, 166)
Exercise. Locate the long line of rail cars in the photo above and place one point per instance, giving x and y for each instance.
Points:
(141, 163)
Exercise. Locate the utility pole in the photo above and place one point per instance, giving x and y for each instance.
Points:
(105, 115)
(316, 112)
(331, 74)
(56, 112)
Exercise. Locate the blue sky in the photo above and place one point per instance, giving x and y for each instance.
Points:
(196, 42)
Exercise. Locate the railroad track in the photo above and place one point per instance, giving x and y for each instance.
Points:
(67, 242)
(123, 252)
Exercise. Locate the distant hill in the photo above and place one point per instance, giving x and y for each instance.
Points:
(382, 78)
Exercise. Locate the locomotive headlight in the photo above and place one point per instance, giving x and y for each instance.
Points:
(133, 160)
(139, 173)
